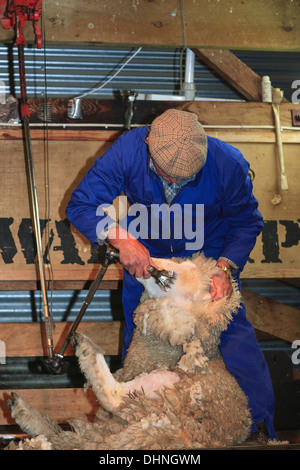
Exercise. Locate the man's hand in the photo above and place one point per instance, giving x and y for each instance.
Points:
(220, 284)
(134, 257)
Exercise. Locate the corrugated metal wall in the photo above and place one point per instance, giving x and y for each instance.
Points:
(26, 306)
(70, 71)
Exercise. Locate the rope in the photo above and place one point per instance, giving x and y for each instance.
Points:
(111, 78)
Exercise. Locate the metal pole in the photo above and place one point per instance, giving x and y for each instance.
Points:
(189, 88)
(34, 200)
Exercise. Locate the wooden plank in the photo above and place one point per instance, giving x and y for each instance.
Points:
(60, 134)
(255, 25)
(277, 249)
(61, 405)
(63, 284)
(243, 79)
(114, 273)
(232, 134)
(27, 339)
(111, 112)
(102, 114)
(272, 317)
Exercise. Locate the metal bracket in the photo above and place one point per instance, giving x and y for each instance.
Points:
(296, 117)
(17, 13)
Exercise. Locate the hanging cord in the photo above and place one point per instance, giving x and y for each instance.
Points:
(47, 173)
(183, 49)
(111, 78)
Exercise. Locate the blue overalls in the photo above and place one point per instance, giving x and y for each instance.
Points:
(230, 227)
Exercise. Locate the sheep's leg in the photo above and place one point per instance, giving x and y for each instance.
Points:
(108, 391)
(31, 420)
(93, 365)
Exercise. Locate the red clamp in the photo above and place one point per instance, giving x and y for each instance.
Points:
(15, 15)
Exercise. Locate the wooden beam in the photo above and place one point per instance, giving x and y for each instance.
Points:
(110, 113)
(272, 317)
(103, 120)
(61, 405)
(27, 339)
(230, 135)
(29, 273)
(234, 71)
(256, 25)
(63, 284)
(16, 133)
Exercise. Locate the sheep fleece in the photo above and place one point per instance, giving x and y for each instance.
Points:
(173, 391)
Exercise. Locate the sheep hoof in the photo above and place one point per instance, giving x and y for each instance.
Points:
(76, 339)
(11, 403)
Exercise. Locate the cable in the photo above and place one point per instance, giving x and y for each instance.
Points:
(47, 173)
(107, 125)
(111, 78)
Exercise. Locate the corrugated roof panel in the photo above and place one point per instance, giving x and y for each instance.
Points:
(73, 70)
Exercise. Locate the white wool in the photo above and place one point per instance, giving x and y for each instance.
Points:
(109, 389)
(146, 316)
(158, 421)
(196, 394)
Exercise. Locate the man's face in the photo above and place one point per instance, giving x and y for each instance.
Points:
(169, 179)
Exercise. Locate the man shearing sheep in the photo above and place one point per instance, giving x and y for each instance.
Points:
(204, 187)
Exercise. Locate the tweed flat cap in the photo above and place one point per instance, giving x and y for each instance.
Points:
(178, 143)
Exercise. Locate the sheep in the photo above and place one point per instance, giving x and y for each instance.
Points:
(173, 391)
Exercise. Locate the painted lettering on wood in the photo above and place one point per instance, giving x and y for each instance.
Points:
(16, 237)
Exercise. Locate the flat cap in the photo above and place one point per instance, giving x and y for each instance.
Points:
(178, 143)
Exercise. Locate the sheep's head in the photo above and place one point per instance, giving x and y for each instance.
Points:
(183, 285)
(187, 311)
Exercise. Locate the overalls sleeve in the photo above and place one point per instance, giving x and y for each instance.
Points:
(103, 182)
(240, 213)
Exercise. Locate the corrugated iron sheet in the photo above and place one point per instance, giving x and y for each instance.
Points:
(65, 71)
(26, 306)
(71, 71)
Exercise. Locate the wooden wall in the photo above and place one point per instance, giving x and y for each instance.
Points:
(72, 151)
(254, 25)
